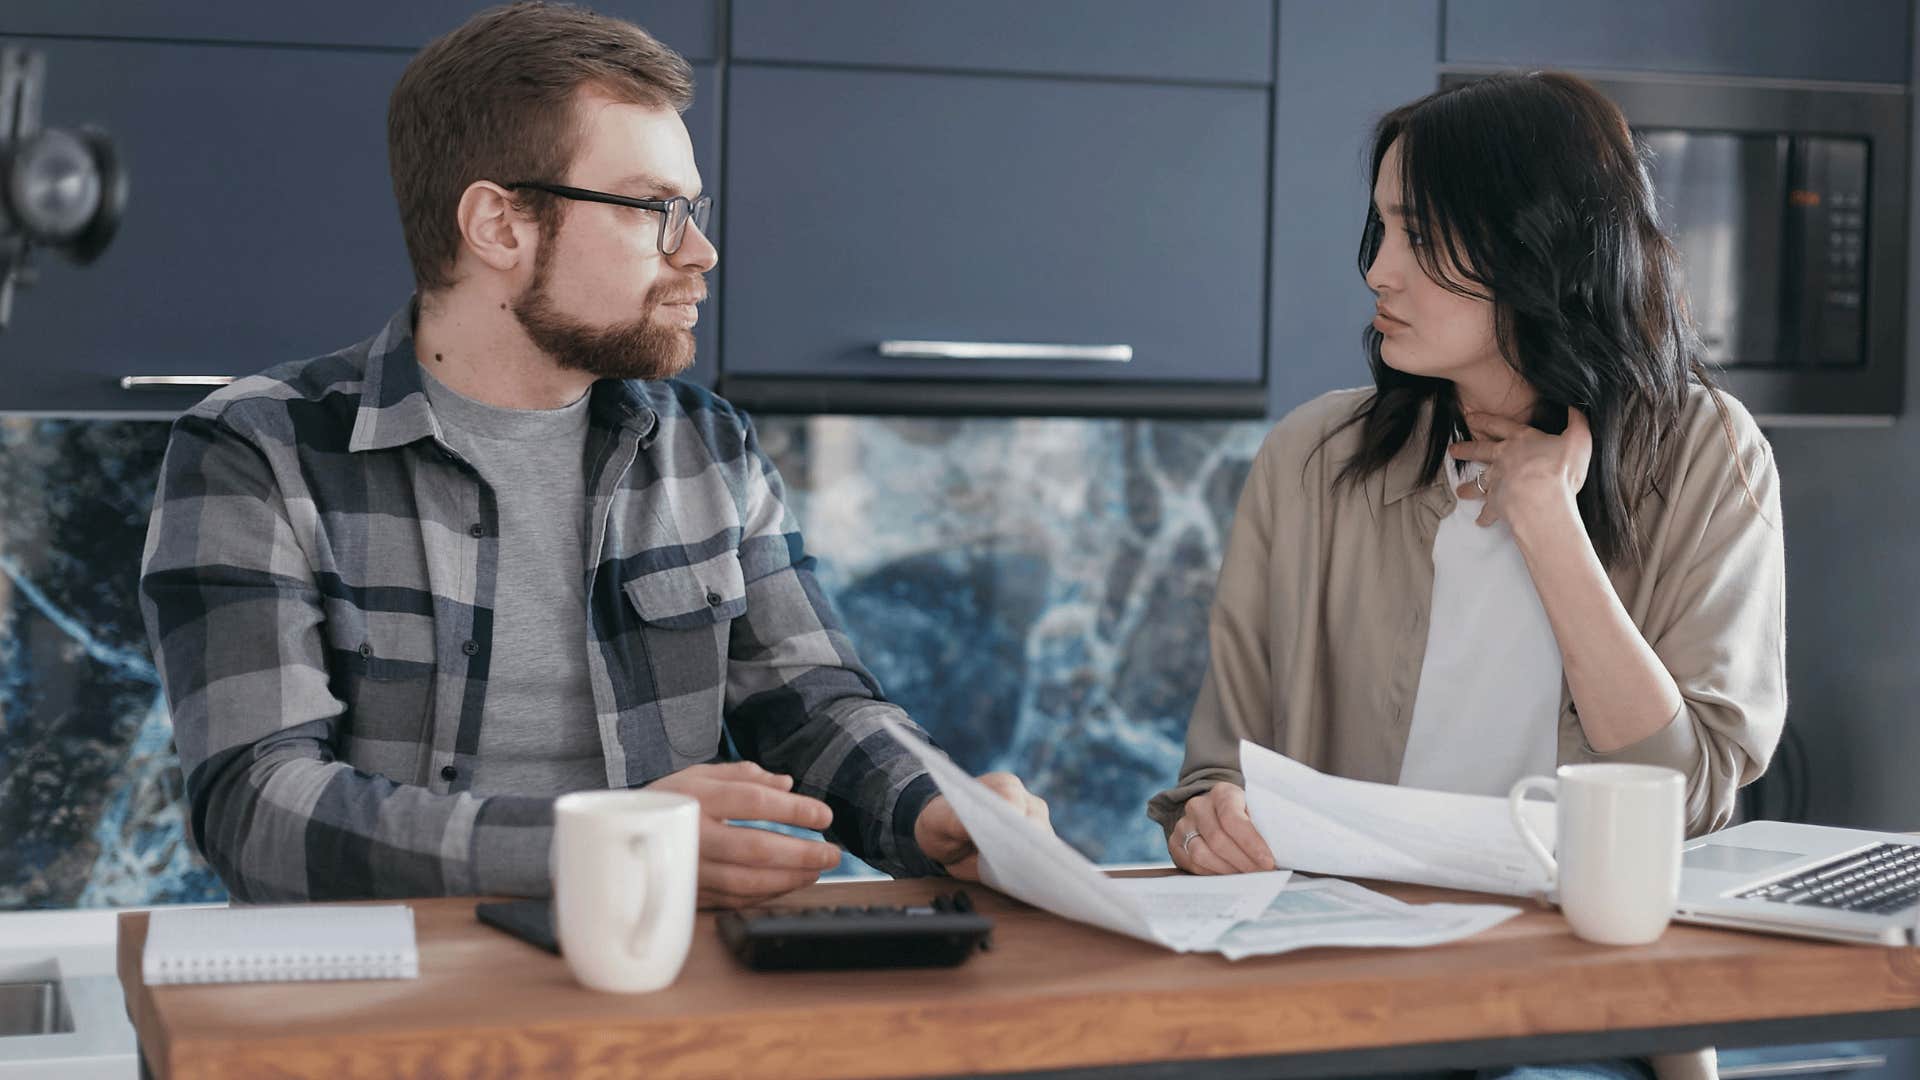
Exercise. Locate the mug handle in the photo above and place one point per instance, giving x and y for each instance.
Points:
(1518, 795)
(649, 910)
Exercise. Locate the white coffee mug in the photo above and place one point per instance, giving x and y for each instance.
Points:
(625, 868)
(1620, 829)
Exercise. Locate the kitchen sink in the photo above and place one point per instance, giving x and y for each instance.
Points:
(33, 1008)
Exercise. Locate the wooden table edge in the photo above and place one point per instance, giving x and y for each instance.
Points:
(1296, 1059)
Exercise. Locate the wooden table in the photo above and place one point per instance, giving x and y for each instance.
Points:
(1053, 998)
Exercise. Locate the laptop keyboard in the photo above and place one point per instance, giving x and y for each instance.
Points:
(1878, 881)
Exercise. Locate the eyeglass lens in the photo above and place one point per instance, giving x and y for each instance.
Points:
(673, 229)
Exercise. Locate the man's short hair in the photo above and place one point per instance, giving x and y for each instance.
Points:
(493, 100)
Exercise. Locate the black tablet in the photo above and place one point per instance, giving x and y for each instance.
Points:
(529, 920)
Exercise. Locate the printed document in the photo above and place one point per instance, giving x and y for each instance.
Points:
(1256, 914)
(1316, 912)
(1027, 861)
(1323, 824)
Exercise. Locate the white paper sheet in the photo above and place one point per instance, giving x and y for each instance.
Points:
(1317, 912)
(1327, 825)
(1027, 861)
(1235, 914)
(1192, 912)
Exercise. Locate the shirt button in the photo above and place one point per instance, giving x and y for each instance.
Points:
(713, 598)
(470, 647)
(366, 650)
(448, 772)
(476, 530)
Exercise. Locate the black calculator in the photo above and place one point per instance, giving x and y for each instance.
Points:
(940, 933)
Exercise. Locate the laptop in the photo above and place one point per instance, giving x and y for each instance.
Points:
(1807, 880)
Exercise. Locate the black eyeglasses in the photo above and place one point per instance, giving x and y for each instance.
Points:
(674, 213)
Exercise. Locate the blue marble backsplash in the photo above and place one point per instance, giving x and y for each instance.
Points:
(1034, 591)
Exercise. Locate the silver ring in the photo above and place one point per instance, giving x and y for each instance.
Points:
(1188, 839)
(1480, 481)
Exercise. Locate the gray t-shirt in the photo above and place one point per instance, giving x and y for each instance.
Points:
(538, 735)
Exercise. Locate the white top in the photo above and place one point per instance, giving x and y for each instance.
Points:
(1488, 706)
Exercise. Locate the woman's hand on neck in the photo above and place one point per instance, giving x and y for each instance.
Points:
(1494, 389)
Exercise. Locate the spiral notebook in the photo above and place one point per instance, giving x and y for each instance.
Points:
(290, 943)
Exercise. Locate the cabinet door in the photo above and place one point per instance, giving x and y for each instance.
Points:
(1324, 110)
(1865, 40)
(1199, 40)
(691, 26)
(865, 207)
(260, 226)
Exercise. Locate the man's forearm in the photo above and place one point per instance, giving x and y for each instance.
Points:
(839, 754)
(296, 828)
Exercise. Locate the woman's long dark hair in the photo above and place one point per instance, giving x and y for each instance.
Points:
(1530, 191)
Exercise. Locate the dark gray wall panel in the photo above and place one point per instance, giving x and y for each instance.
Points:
(1324, 108)
(1851, 504)
(691, 26)
(866, 205)
(1210, 40)
(703, 126)
(1789, 39)
(260, 228)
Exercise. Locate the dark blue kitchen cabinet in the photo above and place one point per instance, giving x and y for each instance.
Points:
(1324, 109)
(690, 26)
(870, 206)
(1197, 40)
(1861, 40)
(260, 227)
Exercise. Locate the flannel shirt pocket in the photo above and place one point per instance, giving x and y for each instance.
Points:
(688, 614)
(381, 666)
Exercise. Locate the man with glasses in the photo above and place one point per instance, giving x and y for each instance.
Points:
(404, 595)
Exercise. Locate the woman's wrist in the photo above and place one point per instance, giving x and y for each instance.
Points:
(1544, 519)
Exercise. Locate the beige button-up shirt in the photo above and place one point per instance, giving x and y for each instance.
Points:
(1319, 625)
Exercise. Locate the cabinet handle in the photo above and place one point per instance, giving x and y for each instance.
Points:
(143, 382)
(1808, 1067)
(1000, 350)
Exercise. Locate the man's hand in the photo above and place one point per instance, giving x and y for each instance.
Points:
(1216, 836)
(742, 866)
(944, 840)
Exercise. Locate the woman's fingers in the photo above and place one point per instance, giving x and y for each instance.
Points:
(1474, 450)
(1205, 811)
(1238, 824)
(1493, 425)
(1577, 425)
(1176, 845)
(1204, 860)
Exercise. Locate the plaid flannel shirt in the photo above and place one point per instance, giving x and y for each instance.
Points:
(318, 587)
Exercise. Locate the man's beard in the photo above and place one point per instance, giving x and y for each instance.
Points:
(641, 348)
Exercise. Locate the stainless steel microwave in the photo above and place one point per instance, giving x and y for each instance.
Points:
(1788, 203)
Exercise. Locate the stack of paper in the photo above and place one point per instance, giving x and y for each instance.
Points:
(1236, 914)
(1025, 860)
(1314, 913)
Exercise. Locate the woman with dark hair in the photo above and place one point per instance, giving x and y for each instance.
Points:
(1543, 536)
